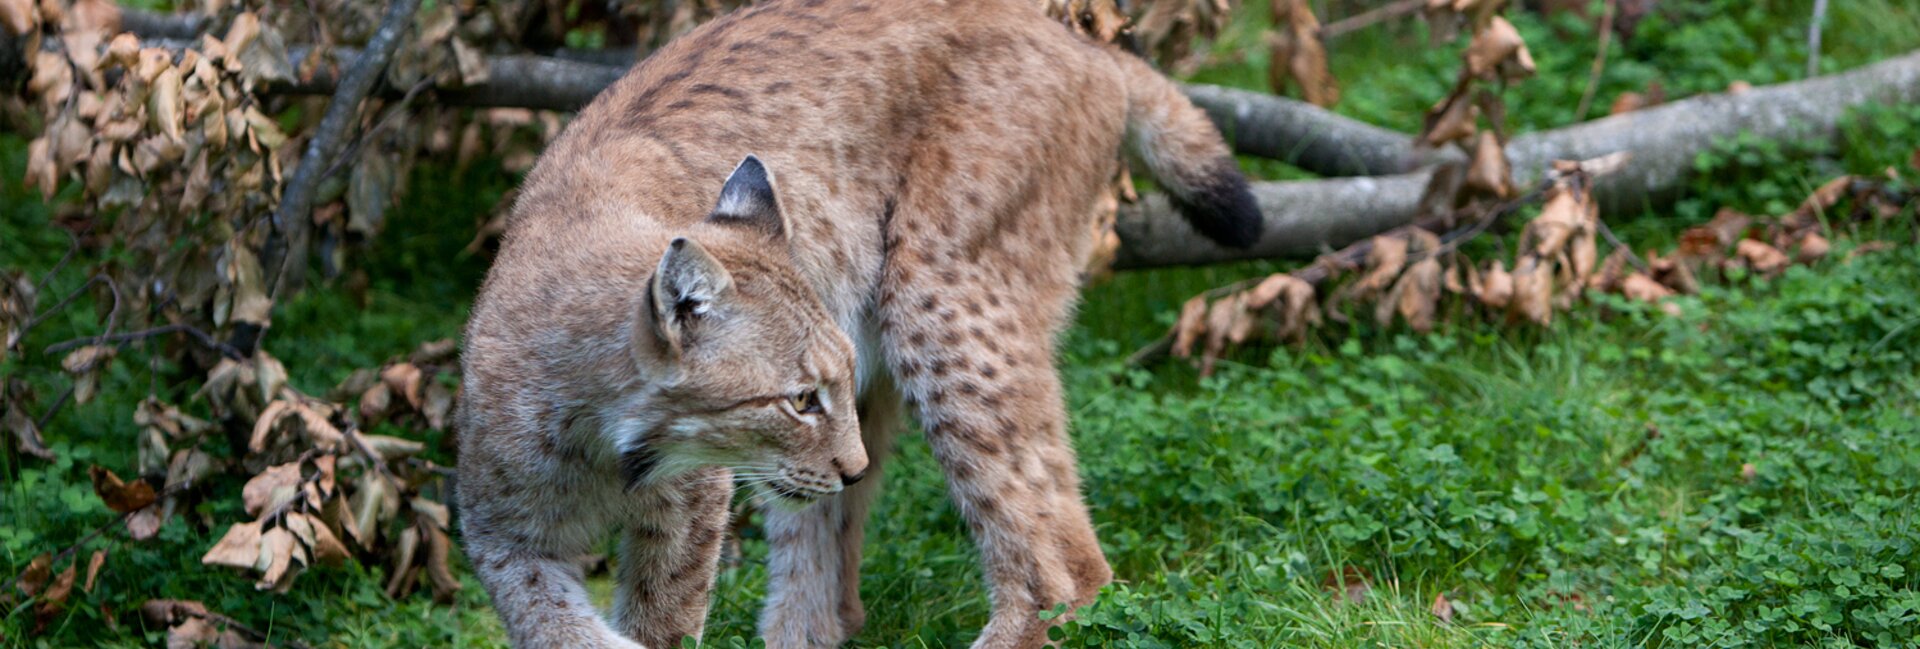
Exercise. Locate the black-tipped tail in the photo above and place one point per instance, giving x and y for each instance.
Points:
(1222, 207)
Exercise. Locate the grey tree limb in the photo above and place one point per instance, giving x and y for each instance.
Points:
(292, 221)
(1305, 217)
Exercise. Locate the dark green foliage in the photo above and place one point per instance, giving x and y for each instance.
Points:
(1582, 485)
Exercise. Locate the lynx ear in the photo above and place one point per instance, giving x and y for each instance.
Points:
(687, 287)
(748, 200)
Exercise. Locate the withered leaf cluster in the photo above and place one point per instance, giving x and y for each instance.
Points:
(1409, 275)
(1296, 55)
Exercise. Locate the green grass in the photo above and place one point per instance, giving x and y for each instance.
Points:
(1514, 470)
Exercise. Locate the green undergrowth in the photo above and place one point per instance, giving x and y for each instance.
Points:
(1582, 485)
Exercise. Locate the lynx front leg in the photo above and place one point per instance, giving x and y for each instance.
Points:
(813, 598)
(668, 560)
(976, 359)
(541, 598)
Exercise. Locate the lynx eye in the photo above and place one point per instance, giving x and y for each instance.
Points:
(806, 403)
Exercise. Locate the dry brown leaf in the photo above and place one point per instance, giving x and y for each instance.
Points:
(1822, 199)
(403, 555)
(1812, 248)
(26, 433)
(1418, 293)
(1611, 271)
(438, 405)
(123, 50)
(41, 171)
(1187, 331)
(165, 106)
(144, 524)
(84, 365)
(121, 497)
(1453, 119)
(1561, 219)
(55, 596)
(338, 514)
(272, 488)
(52, 81)
(1495, 289)
(439, 550)
(94, 563)
(1728, 225)
(326, 545)
(96, 16)
(1384, 262)
(35, 577)
(279, 551)
(1298, 56)
(391, 448)
(376, 403)
(1229, 323)
(1639, 287)
(266, 423)
(374, 502)
(1532, 292)
(18, 16)
(163, 612)
(248, 283)
(1350, 584)
(1499, 48)
(1442, 608)
(405, 380)
(239, 548)
(1673, 273)
(1490, 173)
(1762, 258)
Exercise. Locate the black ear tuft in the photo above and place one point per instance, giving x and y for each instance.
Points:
(748, 199)
(1222, 207)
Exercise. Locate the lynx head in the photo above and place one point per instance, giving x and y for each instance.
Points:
(748, 370)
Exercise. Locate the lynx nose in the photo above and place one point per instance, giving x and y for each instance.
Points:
(848, 480)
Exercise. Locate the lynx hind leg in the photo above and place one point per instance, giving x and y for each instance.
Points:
(972, 342)
(813, 594)
(669, 558)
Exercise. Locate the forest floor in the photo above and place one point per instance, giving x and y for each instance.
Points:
(1744, 474)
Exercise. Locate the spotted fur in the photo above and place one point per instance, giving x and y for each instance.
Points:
(906, 236)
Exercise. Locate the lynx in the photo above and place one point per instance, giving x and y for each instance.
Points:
(753, 257)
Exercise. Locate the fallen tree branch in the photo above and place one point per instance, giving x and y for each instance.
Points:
(292, 221)
(1305, 217)
(1370, 18)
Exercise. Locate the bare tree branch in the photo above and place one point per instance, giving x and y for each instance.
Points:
(292, 221)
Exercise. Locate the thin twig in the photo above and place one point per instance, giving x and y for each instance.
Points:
(62, 304)
(199, 336)
(1618, 245)
(293, 221)
(73, 246)
(1599, 60)
(97, 531)
(1369, 18)
(353, 150)
(58, 403)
